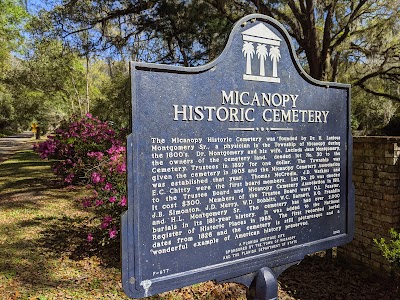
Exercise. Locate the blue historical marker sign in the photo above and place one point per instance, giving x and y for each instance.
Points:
(237, 165)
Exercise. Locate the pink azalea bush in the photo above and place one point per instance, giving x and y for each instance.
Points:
(72, 143)
(89, 151)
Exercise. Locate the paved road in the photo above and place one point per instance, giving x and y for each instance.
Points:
(9, 145)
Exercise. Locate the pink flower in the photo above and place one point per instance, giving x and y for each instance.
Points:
(121, 168)
(112, 199)
(99, 202)
(123, 200)
(108, 186)
(69, 178)
(96, 178)
(98, 155)
(104, 225)
(89, 237)
(106, 221)
(112, 232)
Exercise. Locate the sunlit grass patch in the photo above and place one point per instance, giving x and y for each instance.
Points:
(34, 257)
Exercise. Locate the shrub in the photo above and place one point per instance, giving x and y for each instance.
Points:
(391, 250)
(72, 142)
(89, 151)
(108, 183)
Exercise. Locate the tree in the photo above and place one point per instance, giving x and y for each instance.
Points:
(12, 20)
(331, 37)
(47, 83)
(116, 96)
(262, 54)
(180, 32)
(371, 114)
(7, 111)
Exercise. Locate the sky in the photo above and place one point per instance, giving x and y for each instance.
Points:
(36, 5)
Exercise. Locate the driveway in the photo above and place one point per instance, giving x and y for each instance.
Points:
(11, 144)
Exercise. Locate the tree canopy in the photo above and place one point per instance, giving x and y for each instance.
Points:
(11, 23)
(332, 37)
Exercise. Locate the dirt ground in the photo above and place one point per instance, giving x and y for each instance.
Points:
(317, 277)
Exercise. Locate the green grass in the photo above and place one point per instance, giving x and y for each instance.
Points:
(43, 248)
(42, 238)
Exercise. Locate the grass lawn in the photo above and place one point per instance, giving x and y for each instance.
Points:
(43, 248)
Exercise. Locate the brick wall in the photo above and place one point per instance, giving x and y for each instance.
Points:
(376, 177)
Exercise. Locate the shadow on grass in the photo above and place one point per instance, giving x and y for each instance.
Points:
(35, 241)
(25, 177)
(26, 197)
(24, 171)
(34, 261)
(68, 236)
(21, 260)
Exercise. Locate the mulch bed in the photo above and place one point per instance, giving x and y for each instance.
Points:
(318, 277)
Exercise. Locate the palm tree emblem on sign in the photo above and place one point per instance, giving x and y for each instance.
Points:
(262, 54)
(275, 55)
(248, 51)
(263, 36)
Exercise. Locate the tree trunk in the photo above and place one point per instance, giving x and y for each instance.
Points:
(87, 85)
